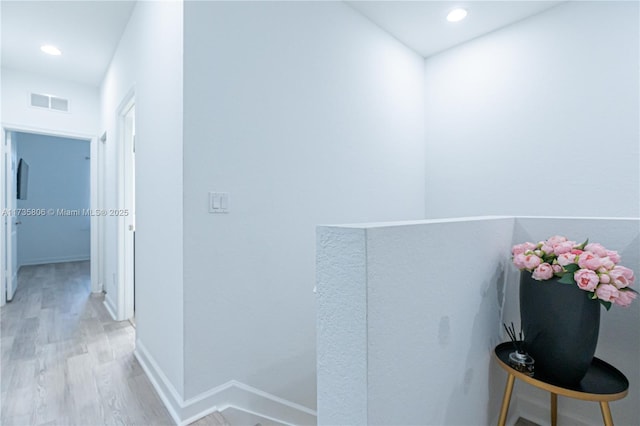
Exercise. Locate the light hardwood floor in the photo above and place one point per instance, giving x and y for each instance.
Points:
(65, 361)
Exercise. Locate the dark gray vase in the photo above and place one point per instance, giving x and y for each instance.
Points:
(560, 325)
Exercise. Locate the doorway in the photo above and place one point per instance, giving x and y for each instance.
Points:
(126, 211)
(37, 207)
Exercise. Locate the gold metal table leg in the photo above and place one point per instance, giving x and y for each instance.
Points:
(606, 413)
(554, 409)
(506, 400)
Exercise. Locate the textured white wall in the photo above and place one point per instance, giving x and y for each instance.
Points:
(342, 326)
(430, 295)
(83, 115)
(149, 60)
(538, 118)
(619, 339)
(59, 178)
(305, 113)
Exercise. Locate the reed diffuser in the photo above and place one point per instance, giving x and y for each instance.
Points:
(519, 360)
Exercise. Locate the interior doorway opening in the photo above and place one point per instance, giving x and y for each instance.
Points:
(49, 193)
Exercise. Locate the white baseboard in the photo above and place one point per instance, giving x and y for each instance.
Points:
(233, 396)
(167, 392)
(235, 416)
(111, 307)
(62, 259)
(251, 401)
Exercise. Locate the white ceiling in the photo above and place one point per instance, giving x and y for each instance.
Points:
(422, 25)
(87, 33)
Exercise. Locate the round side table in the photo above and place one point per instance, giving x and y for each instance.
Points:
(603, 383)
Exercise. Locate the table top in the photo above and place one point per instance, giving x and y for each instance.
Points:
(603, 382)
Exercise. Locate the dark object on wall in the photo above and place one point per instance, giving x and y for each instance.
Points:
(22, 180)
(561, 325)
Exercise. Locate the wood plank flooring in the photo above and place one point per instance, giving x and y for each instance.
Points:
(65, 361)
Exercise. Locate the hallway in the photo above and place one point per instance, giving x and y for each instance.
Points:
(65, 361)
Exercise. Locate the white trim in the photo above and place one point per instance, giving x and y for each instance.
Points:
(94, 236)
(3, 279)
(108, 303)
(232, 394)
(231, 414)
(61, 259)
(251, 400)
(163, 386)
(46, 132)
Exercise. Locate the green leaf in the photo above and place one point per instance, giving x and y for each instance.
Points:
(607, 305)
(629, 289)
(571, 268)
(567, 279)
(582, 246)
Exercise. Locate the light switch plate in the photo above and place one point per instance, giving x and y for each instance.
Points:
(218, 202)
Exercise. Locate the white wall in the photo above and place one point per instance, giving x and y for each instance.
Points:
(83, 114)
(305, 113)
(539, 118)
(408, 316)
(59, 178)
(149, 60)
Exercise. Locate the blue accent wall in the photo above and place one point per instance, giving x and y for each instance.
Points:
(59, 179)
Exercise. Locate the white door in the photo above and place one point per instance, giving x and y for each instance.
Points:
(129, 217)
(11, 219)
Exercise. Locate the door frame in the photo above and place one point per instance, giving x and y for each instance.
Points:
(125, 256)
(96, 254)
(7, 243)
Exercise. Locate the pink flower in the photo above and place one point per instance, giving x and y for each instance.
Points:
(628, 273)
(547, 248)
(556, 239)
(566, 258)
(586, 279)
(556, 268)
(531, 261)
(576, 251)
(614, 256)
(518, 261)
(564, 247)
(588, 260)
(597, 249)
(521, 248)
(607, 292)
(625, 298)
(607, 263)
(621, 276)
(605, 279)
(544, 271)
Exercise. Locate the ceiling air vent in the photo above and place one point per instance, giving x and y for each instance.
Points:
(49, 102)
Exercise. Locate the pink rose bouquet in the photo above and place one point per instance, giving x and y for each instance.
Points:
(590, 266)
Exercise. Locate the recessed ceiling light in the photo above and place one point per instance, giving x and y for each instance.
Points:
(51, 50)
(457, 15)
